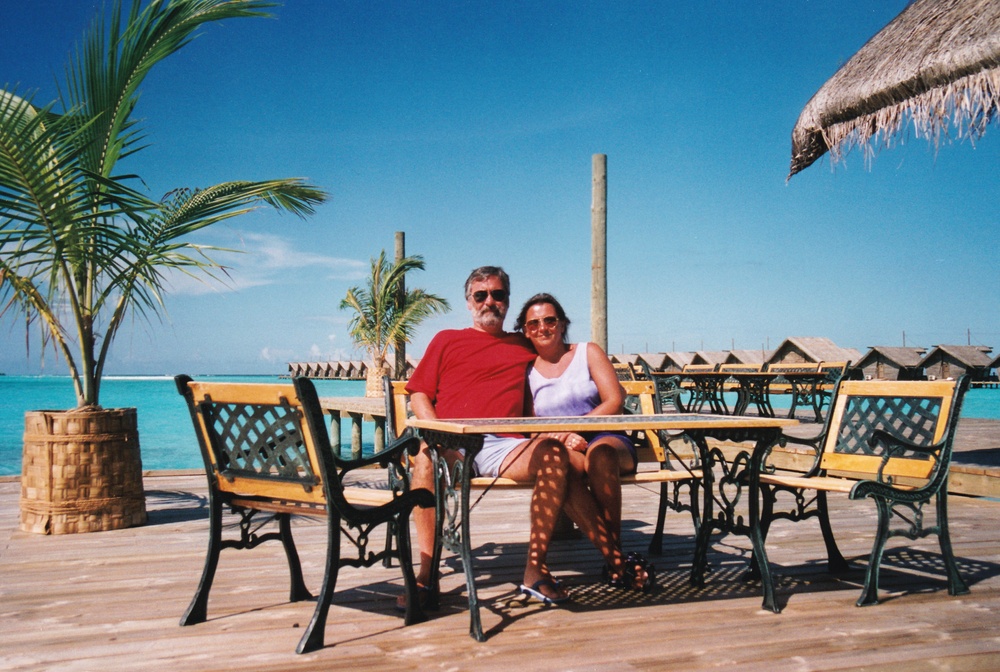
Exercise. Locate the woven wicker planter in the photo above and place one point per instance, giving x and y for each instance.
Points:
(373, 381)
(81, 471)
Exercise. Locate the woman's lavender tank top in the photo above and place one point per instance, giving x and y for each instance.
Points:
(572, 393)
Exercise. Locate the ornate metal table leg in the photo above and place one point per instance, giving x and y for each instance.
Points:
(756, 535)
(453, 513)
(465, 551)
(700, 562)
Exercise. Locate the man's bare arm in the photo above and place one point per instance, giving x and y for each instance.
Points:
(422, 407)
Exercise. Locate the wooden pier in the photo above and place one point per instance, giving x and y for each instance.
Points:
(112, 600)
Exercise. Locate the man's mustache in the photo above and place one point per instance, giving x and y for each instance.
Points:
(490, 309)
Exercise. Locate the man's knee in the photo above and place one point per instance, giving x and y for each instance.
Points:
(422, 474)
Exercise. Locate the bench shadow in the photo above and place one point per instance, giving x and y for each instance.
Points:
(175, 506)
(904, 571)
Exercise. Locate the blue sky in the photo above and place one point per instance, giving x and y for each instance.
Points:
(471, 127)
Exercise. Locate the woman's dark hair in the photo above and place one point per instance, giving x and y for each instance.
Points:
(543, 298)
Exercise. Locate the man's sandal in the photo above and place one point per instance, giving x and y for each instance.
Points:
(425, 597)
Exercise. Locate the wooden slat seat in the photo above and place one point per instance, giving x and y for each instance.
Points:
(265, 448)
(890, 441)
(675, 469)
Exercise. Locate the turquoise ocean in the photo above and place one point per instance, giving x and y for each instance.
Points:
(166, 436)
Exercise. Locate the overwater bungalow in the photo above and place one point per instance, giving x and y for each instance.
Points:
(952, 361)
(812, 349)
(883, 362)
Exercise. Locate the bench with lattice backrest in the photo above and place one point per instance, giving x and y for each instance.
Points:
(705, 387)
(676, 472)
(890, 441)
(267, 453)
(813, 390)
(668, 388)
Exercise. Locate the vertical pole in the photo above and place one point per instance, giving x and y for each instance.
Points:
(599, 252)
(399, 347)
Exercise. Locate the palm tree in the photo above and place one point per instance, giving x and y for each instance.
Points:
(81, 249)
(378, 321)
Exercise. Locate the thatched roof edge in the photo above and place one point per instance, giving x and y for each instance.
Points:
(937, 64)
(968, 104)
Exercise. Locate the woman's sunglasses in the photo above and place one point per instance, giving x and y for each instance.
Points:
(533, 325)
(499, 295)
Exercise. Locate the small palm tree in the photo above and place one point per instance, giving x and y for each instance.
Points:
(379, 321)
(81, 250)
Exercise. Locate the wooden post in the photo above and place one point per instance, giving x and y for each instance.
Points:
(399, 347)
(335, 444)
(356, 419)
(599, 252)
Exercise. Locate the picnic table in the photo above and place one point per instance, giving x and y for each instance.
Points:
(724, 493)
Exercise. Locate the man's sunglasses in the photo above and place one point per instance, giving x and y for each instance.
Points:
(499, 295)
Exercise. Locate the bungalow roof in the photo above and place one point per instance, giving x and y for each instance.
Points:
(747, 357)
(819, 349)
(903, 357)
(709, 356)
(970, 355)
(655, 360)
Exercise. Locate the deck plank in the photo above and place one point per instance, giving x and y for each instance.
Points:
(112, 600)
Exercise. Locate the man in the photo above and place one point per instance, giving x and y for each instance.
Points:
(481, 372)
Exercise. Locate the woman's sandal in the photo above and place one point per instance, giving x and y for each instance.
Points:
(632, 568)
(533, 591)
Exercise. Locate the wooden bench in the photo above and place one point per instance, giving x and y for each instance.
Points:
(890, 441)
(675, 470)
(266, 449)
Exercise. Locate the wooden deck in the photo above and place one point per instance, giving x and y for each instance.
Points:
(112, 600)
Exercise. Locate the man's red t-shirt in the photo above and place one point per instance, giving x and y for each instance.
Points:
(469, 373)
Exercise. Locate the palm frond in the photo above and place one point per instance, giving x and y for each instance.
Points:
(378, 321)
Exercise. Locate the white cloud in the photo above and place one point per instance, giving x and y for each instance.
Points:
(262, 260)
(269, 354)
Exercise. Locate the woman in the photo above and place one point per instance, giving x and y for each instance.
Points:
(578, 379)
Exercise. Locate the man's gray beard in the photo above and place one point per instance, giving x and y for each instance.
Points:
(487, 318)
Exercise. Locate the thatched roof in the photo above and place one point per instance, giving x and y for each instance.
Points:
(936, 64)
(655, 360)
(677, 360)
(814, 349)
(747, 357)
(709, 356)
(972, 356)
(903, 357)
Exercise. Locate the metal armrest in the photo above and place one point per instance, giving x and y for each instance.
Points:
(393, 453)
(895, 444)
(814, 442)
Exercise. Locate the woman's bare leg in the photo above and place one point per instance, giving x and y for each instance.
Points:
(606, 459)
(547, 462)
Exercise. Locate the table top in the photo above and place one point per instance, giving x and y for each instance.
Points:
(591, 423)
